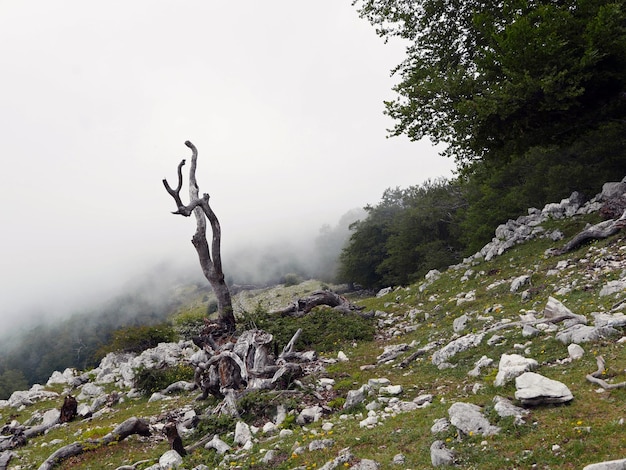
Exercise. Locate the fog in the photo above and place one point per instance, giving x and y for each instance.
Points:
(283, 99)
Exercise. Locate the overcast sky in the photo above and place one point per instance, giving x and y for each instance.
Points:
(284, 100)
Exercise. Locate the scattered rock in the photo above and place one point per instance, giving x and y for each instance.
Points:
(440, 455)
(511, 366)
(456, 346)
(584, 334)
(535, 389)
(575, 351)
(468, 418)
(170, 459)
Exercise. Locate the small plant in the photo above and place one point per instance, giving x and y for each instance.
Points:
(291, 279)
(153, 380)
(189, 323)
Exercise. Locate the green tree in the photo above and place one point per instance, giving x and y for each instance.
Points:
(408, 233)
(366, 250)
(493, 78)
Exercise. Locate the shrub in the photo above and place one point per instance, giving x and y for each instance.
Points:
(291, 279)
(153, 380)
(323, 329)
(189, 323)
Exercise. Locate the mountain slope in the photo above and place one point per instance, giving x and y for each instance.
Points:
(430, 359)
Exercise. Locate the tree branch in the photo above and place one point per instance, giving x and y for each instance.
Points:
(595, 376)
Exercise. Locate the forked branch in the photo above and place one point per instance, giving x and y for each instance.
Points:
(595, 376)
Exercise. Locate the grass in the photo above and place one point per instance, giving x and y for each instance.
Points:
(567, 436)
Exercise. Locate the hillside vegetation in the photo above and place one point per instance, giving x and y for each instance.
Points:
(407, 387)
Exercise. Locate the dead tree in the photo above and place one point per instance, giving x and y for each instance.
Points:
(210, 258)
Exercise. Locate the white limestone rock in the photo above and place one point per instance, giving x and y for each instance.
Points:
(511, 366)
(535, 389)
(468, 418)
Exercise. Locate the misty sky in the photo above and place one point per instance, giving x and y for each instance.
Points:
(284, 100)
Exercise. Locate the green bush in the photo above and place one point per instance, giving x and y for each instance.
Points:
(189, 323)
(138, 338)
(291, 279)
(323, 329)
(149, 381)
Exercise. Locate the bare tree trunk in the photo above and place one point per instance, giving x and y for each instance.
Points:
(210, 258)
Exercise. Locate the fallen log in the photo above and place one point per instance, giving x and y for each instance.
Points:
(127, 428)
(596, 232)
(304, 305)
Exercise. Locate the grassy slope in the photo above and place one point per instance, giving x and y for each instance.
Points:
(558, 437)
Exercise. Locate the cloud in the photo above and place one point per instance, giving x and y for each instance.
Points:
(282, 99)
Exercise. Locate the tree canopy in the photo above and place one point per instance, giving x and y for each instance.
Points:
(408, 233)
(491, 78)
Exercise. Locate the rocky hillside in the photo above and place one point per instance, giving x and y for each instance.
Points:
(514, 358)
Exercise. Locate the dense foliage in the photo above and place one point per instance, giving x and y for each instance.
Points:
(323, 329)
(496, 78)
(405, 235)
(530, 98)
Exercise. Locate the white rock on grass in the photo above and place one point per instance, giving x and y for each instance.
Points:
(535, 389)
(219, 445)
(479, 365)
(511, 366)
(355, 397)
(170, 459)
(469, 419)
(608, 465)
(440, 455)
(575, 351)
(505, 408)
(440, 425)
(585, 334)
(454, 347)
(242, 433)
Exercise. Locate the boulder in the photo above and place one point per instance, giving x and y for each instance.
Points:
(511, 366)
(479, 365)
(460, 323)
(555, 310)
(535, 389)
(468, 418)
(354, 397)
(608, 465)
(613, 287)
(575, 351)
(219, 445)
(456, 346)
(242, 433)
(311, 414)
(440, 455)
(584, 334)
(170, 459)
(505, 408)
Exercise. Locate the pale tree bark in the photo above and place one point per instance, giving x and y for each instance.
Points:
(210, 257)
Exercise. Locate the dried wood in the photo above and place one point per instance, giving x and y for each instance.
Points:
(210, 258)
(595, 376)
(127, 428)
(304, 305)
(596, 232)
